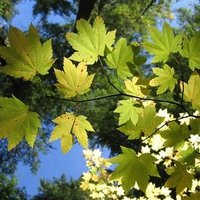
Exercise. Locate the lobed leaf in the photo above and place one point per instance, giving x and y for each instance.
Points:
(133, 169)
(120, 58)
(191, 51)
(191, 90)
(73, 80)
(179, 178)
(127, 111)
(69, 125)
(26, 56)
(165, 79)
(17, 122)
(175, 137)
(90, 42)
(163, 43)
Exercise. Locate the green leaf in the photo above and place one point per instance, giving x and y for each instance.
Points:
(131, 130)
(193, 196)
(165, 79)
(120, 58)
(192, 91)
(68, 125)
(147, 123)
(17, 122)
(127, 111)
(90, 42)
(175, 137)
(133, 169)
(187, 156)
(191, 51)
(163, 43)
(179, 178)
(73, 80)
(26, 56)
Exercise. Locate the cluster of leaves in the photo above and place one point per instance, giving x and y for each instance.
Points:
(175, 161)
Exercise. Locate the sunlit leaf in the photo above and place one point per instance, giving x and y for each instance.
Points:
(176, 135)
(127, 111)
(192, 90)
(69, 125)
(133, 169)
(147, 123)
(191, 51)
(120, 58)
(179, 178)
(163, 43)
(73, 80)
(133, 88)
(17, 122)
(165, 79)
(26, 56)
(90, 42)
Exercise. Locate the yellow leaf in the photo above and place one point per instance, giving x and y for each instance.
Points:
(73, 80)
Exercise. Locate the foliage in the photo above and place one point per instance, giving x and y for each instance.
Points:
(9, 189)
(159, 157)
(7, 8)
(60, 189)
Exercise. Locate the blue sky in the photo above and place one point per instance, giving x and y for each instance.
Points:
(54, 163)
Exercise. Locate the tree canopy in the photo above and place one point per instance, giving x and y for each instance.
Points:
(98, 90)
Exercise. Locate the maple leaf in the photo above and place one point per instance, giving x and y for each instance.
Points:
(147, 123)
(179, 178)
(133, 88)
(127, 111)
(133, 169)
(68, 125)
(191, 51)
(187, 156)
(90, 42)
(175, 137)
(192, 90)
(163, 43)
(26, 56)
(193, 196)
(73, 80)
(165, 79)
(17, 122)
(120, 58)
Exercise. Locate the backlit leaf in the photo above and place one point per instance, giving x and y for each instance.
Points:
(26, 56)
(69, 125)
(192, 90)
(175, 137)
(187, 156)
(165, 79)
(90, 42)
(17, 122)
(133, 169)
(127, 111)
(179, 178)
(191, 51)
(147, 123)
(120, 58)
(73, 80)
(133, 88)
(163, 43)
